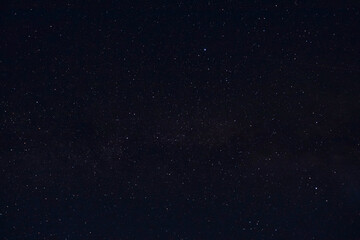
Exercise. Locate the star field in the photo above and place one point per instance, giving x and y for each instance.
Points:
(182, 120)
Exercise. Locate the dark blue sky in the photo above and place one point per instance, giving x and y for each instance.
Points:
(183, 120)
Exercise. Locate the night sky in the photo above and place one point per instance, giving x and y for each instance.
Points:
(180, 120)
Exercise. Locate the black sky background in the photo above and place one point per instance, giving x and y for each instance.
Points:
(181, 120)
